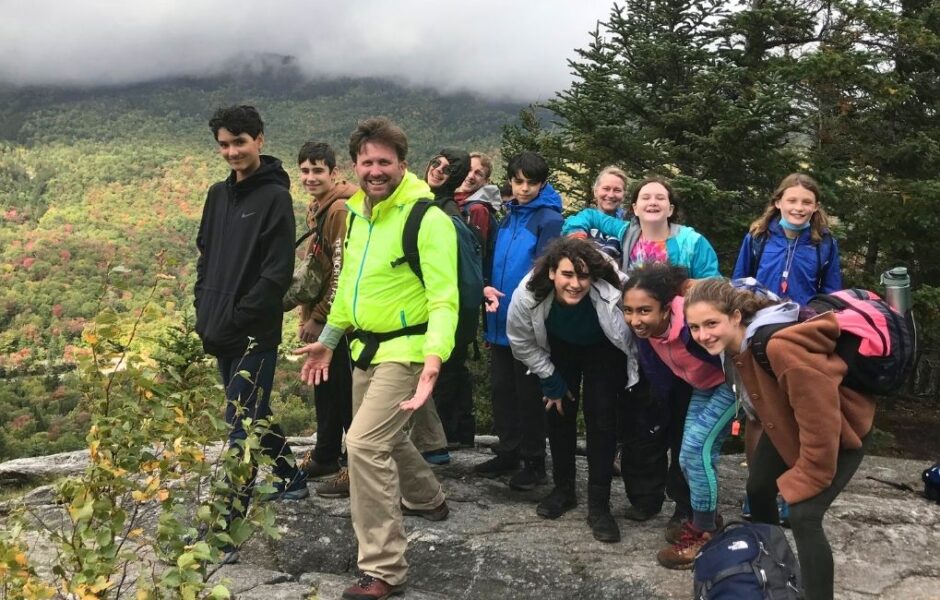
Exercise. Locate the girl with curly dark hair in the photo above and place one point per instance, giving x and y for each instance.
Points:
(565, 325)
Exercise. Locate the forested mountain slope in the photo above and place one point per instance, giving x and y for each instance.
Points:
(100, 177)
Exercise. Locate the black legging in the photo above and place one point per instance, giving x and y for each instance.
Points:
(651, 425)
(806, 517)
(601, 370)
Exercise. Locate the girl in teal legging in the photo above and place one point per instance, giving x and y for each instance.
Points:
(653, 307)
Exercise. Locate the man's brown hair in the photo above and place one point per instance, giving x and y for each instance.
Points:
(380, 130)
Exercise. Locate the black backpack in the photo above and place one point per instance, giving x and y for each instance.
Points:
(469, 278)
(469, 265)
(747, 561)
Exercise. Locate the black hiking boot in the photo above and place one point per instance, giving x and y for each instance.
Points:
(560, 500)
(531, 475)
(602, 523)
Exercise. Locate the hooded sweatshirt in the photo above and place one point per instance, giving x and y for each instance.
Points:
(246, 260)
(457, 170)
(328, 216)
(522, 237)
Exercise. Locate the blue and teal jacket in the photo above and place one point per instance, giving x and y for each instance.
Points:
(522, 236)
(686, 247)
(814, 268)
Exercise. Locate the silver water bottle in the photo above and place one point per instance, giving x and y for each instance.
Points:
(897, 289)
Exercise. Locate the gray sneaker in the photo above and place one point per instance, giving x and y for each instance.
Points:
(338, 487)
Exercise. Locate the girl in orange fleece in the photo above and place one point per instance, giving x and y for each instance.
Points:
(815, 430)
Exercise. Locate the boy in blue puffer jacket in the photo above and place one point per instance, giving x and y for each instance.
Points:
(533, 220)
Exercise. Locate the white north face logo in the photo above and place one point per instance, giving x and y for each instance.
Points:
(738, 545)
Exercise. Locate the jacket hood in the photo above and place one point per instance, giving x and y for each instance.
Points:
(788, 312)
(270, 172)
(342, 190)
(547, 198)
(457, 170)
(489, 193)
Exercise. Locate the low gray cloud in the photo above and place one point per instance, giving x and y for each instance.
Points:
(516, 49)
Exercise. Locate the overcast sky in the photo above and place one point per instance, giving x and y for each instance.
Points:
(503, 48)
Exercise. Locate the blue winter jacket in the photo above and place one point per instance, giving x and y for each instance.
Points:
(685, 246)
(522, 236)
(814, 269)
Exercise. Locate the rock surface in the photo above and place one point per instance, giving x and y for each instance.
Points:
(885, 542)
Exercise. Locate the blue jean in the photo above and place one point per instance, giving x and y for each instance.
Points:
(707, 425)
(243, 400)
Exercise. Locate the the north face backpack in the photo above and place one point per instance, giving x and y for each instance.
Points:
(747, 561)
(876, 341)
(469, 266)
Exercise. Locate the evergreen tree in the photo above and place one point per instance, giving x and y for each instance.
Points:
(686, 89)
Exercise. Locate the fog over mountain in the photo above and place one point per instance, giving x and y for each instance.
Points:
(516, 50)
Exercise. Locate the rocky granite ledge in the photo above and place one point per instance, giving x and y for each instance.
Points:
(886, 542)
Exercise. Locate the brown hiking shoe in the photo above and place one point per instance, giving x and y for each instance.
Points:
(317, 471)
(681, 555)
(438, 513)
(677, 522)
(371, 588)
(338, 487)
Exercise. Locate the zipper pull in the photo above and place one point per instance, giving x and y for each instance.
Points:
(736, 427)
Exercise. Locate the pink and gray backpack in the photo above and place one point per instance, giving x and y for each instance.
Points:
(876, 341)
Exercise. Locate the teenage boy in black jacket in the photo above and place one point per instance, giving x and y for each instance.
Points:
(246, 259)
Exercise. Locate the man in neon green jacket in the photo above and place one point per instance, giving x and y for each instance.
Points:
(403, 332)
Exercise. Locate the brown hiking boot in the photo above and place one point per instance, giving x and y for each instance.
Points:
(677, 522)
(438, 513)
(317, 471)
(338, 487)
(681, 555)
(371, 588)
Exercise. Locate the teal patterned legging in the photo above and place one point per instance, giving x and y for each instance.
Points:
(707, 425)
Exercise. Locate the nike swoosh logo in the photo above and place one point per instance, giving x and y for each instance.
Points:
(245, 216)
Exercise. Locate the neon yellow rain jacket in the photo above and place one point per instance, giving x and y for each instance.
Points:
(374, 296)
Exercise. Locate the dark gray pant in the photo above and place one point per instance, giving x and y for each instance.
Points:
(651, 430)
(518, 411)
(806, 517)
(333, 402)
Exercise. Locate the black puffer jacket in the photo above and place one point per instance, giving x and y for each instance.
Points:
(246, 259)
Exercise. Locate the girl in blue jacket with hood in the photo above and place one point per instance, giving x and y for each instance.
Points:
(533, 220)
(789, 249)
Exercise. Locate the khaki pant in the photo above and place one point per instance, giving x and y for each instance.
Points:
(384, 466)
(427, 431)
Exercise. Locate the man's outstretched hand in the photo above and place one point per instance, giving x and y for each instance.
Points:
(316, 368)
(432, 368)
